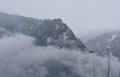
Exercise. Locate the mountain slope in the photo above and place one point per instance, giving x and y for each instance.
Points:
(109, 40)
(89, 35)
(47, 32)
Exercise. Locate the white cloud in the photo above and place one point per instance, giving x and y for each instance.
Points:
(19, 57)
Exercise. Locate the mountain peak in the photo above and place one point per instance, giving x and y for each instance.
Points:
(47, 32)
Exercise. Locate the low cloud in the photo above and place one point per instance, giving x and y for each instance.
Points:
(19, 57)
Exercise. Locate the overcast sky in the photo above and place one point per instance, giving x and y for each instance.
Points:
(81, 15)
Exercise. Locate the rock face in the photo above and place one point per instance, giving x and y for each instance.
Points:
(109, 40)
(47, 32)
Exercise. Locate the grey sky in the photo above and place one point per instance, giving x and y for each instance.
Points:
(81, 15)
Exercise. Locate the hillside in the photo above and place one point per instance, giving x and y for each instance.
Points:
(47, 32)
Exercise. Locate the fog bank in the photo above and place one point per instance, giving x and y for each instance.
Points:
(19, 57)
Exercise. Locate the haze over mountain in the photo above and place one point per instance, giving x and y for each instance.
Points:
(89, 35)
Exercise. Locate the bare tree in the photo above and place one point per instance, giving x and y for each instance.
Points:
(108, 54)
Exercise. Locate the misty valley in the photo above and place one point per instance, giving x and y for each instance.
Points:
(32, 47)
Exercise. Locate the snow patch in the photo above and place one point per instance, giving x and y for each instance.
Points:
(113, 38)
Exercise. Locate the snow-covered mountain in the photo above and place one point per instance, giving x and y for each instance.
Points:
(47, 32)
(109, 41)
